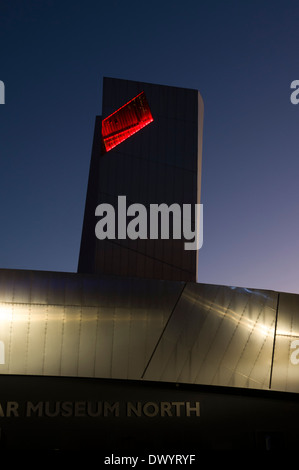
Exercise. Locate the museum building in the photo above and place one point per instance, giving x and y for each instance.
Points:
(132, 351)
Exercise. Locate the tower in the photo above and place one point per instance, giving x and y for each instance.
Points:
(147, 147)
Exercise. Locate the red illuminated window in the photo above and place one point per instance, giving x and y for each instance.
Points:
(125, 122)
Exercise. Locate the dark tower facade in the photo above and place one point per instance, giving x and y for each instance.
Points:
(147, 147)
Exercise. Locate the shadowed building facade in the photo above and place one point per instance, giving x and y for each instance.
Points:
(159, 164)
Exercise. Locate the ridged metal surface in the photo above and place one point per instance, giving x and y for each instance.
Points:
(62, 324)
(286, 354)
(219, 336)
(72, 325)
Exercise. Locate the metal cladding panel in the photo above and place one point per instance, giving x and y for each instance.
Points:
(64, 324)
(218, 336)
(285, 375)
(72, 325)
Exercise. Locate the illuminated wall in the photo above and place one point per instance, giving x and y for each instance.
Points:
(60, 324)
(125, 122)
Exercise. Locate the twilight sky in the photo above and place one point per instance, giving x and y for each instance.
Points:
(241, 55)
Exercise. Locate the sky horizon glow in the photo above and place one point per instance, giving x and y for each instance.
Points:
(242, 58)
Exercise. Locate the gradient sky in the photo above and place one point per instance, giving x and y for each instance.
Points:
(241, 55)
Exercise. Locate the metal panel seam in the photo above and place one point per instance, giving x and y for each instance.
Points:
(163, 331)
(274, 341)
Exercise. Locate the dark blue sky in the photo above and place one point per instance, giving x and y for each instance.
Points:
(241, 55)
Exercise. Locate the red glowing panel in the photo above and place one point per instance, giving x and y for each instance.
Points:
(126, 121)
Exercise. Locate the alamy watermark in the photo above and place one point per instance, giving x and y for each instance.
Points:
(136, 221)
(2, 92)
(295, 94)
